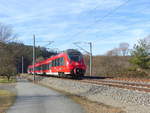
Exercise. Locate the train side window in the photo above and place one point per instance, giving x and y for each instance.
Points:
(57, 64)
(50, 64)
(47, 66)
(62, 61)
(57, 61)
(53, 63)
(43, 66)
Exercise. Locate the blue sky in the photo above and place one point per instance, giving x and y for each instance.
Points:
(68, 21)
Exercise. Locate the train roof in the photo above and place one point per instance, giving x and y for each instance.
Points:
(68, 51)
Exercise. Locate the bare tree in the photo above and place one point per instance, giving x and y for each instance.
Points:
(147, 38)
(39, 59)
(7, 67)
(124, 47)
(6, 33)
(113, 52)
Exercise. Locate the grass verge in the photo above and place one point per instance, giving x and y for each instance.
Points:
(7, 98)
(94, 107)
(5, 80)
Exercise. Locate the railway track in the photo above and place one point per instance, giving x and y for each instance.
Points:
(131, 85)
(121, 84)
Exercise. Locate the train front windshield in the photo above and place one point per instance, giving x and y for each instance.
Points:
(75, 57)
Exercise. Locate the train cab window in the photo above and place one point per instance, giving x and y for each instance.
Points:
(75, 57)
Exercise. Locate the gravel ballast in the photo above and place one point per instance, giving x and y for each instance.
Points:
(128, 100)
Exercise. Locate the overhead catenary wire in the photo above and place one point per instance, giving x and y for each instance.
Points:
(101, 19)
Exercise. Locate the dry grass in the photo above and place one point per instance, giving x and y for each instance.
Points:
(114, 66)
(6, 100)
(108, 65)
(94, 107)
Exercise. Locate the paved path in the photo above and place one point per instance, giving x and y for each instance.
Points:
(33, 98)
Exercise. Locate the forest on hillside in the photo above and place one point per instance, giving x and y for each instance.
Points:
(12, 51)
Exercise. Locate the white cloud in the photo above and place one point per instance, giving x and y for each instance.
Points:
(61, 20)
(86, 5)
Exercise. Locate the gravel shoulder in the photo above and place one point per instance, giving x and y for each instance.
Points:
(127, 100)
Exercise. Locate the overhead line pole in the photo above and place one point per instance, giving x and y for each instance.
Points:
(89, 53)
(22, 65)
(34, 56)
(90, 58)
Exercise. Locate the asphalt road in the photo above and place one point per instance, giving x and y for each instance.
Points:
(33, 98)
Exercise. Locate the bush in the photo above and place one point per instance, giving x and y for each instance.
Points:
(140, 55)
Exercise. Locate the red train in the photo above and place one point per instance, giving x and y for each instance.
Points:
(67, 63)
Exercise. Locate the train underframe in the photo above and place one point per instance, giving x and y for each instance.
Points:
(74, 73)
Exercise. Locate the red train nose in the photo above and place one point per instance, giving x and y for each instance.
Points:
(78, 71)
